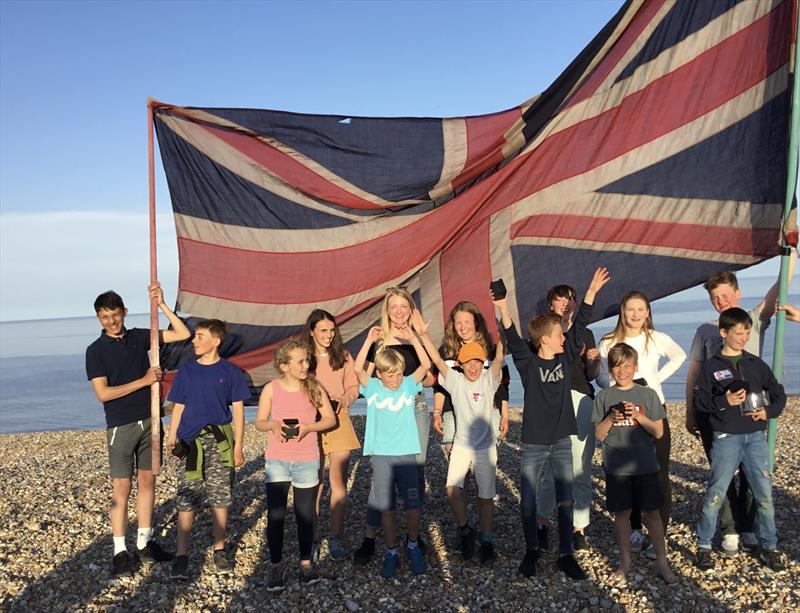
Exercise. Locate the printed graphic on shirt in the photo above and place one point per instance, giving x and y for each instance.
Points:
(395, 405)
(630, 422)
(721, 375)
(551, 376)
(477, 397)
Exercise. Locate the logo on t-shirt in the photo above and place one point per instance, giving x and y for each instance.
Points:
(395, 405)
(551, 376)
(477, 396)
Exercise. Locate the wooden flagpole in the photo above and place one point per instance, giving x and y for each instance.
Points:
(791, 187)
(155, 389)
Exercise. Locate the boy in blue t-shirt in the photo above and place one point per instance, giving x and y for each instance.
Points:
(392, 440)
(201, 432)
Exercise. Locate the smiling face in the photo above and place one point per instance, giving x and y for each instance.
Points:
(472, 369)
(623, 373)
(634, 315)
(562, 306)
(724, 297)
(734, 339)
(297, 365)
(323, 334)
(391, 379)
(554, 340)
(464, 325)
(112, 321)
(204, 342)
(399, 310)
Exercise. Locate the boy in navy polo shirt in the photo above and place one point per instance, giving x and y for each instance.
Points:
(118, 367)
(203, 393)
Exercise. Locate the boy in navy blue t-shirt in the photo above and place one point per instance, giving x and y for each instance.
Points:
(201, 432)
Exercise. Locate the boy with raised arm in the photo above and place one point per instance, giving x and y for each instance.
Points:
(391, 438)
(548, 419)
(475, 441)
(118, 367)
(737, 515)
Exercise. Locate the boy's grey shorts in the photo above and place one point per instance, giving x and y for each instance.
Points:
(129, 447)
(217, 480)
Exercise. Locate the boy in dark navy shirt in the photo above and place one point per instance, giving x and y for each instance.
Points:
(211, 437)
(548, 419)
(740, 394)
(118, 367)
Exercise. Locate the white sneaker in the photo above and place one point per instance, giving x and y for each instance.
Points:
(749, 542)
(637, 541)
(730, 545)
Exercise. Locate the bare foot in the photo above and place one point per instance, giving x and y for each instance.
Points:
(666, 573)
(620, 576)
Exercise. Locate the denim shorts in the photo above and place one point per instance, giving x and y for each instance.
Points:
(300, 474)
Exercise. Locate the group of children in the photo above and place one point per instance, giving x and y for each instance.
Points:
(305, 413)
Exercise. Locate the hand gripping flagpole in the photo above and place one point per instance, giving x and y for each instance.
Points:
(791, 187)
(155, 388)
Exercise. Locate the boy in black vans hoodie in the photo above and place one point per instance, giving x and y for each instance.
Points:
(548, 418)
(740, 394)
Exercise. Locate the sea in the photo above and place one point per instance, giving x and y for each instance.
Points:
(43, 385)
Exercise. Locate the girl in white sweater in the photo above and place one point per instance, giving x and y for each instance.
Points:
(635, 328)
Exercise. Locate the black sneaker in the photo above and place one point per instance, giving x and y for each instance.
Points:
(579, 541)
(570, 567)
(704, 560)
(543, 538)
(180, 568)
(277, 578)
(487, 553)
(121, 565)
(364, 553)
(222, 562)
(528, 566)
(152, 552)
(467, 544)
(308, 575)
(772, 560)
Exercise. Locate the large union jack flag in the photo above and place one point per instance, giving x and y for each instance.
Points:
(660, 152)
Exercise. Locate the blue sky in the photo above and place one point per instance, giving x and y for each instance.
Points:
(75, 76)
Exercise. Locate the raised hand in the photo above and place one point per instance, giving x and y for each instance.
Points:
(418, 324)
(600, 278)
(375, 333)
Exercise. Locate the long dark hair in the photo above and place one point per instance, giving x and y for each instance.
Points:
(337, 354)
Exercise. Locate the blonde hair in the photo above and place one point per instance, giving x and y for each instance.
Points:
(311, 387)
(617, 335)
(389, 360)
(386, 324)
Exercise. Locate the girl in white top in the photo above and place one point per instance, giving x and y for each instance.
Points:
(635, 328)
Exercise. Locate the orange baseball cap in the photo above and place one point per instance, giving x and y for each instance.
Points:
(471, 351)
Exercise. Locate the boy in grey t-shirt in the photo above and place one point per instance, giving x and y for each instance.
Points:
(474, 444)
(628, 417)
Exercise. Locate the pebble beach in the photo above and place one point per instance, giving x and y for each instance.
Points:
(55, 543)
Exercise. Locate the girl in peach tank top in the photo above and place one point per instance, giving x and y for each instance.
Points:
(292, 455)
(333, 367)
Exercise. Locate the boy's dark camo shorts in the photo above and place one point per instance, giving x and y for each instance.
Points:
(217, 480)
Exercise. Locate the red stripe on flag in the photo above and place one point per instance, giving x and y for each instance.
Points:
(289, 278)
(289, 169)
(631, 34)
(485, 140)
(465, 273)
(721, 73)
(695, 237)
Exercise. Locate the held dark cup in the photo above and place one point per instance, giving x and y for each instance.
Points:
(291, 428)
(181, 449)
(498, 289)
